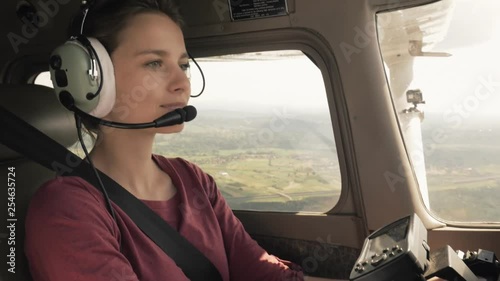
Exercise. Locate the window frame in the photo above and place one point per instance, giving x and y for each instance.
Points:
(315, 48)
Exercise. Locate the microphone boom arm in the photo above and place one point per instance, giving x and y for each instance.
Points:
(172, 118)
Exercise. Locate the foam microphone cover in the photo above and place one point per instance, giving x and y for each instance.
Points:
(191, 113)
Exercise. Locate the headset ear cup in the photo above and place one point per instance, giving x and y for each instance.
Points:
(69, 66)
(107, 95)
(82, 68)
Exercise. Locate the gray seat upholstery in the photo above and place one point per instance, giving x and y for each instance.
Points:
(38, 106)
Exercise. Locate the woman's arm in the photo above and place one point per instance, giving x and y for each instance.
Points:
(247, 260)
(71, 236)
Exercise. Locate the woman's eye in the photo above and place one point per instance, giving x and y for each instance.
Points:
(154, 64)
(186, 68)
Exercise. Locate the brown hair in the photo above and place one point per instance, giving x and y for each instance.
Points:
(106, 19)
(105, 22)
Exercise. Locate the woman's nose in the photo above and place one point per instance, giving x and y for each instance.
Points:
(180, 82)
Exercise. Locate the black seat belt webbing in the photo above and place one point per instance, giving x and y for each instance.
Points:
(27, 140)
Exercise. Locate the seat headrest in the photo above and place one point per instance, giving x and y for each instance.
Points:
(38, 106)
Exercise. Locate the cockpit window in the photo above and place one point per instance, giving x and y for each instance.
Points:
(263, 131)
(443, 68)
(44, 79)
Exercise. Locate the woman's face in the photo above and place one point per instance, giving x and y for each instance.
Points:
(150, 65)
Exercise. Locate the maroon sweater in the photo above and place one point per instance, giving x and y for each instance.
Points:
(71, 236)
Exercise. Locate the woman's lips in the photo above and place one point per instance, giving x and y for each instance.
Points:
(173, 106)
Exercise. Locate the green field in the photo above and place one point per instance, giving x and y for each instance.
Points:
(463, 171)
(272, 179)
(258, 168)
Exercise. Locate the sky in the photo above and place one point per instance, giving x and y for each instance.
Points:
(295, 83)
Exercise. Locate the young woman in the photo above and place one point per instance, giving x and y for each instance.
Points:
(70, 233)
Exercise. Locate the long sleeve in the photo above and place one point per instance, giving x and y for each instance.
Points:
(71, 236)
(247, 260)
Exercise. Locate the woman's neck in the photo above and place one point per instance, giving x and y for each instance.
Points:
(126, 156)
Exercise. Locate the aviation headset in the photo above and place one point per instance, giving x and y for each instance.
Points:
(82, 73)
(81, 69)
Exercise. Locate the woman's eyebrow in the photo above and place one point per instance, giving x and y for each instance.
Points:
(161, 53)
